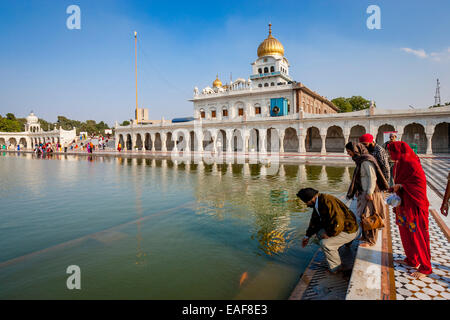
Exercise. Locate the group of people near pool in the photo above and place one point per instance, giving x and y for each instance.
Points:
(394, 169)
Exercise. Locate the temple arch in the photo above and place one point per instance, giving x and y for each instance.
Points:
(158, 142)
(356, 132)
(335, 141)
(169, 142)
(414, 133)
(440, 142)
(290, 141)
(139, 143)
(23, 142)
(313, 140)
(222, 137)
(237, 141)
(253, 144)
(148, 141)
(273, 140)
(381, 130)
(129, 143)
(12, 141)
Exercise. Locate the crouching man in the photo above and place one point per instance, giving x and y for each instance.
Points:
(332, 222)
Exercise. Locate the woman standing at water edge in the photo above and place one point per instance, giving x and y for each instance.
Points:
(367, 183)
(412, 214)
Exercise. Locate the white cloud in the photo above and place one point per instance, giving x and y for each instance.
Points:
(419, 53)
(435, 56)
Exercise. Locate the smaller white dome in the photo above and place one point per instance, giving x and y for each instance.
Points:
(32, 118)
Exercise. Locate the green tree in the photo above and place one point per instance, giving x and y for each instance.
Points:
(9, 125)
(359, 103)
(125, 123)
(354, 103)
(343, 104)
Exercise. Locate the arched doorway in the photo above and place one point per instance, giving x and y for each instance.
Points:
(237, 141)
(139, 141)
(335, 141)
(290, 141)
(313, 142)
(148, 142)
(222, 138)
(2, 141)
(169, 143)
(122, 144)
(273, 140)
(356, 132)
(129, 142)
(158, 142)
(381, 130)
(414, 133)
(253, 144)
(440, 143)
(207, 141)
(12, 142)
(180, 141)
(23, 143)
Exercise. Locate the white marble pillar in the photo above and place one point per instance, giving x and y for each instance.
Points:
(187, 147)
(175, 142)
(429, 144)
(323, 151)
(246, 143)
(163, 142)
(282, 141)
(246, 170)
(302, 176)
(262, 141)
(153, 137)
(229, 139)
(199, 142)
(301, 143)
(323, 176)
(346, 177)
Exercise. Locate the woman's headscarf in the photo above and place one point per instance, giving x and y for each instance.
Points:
(361, 154)
(409, 173)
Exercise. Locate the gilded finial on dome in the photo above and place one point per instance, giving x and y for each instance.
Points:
(270, 46)
(217, 83)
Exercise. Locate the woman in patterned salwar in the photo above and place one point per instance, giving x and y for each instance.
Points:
(412, 214)
(368, 183)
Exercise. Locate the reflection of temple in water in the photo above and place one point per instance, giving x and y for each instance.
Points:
(270, 204)
(263, 195)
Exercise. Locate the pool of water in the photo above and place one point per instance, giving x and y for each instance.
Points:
(154, 228)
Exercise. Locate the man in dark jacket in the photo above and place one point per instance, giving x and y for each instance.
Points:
(333, 223)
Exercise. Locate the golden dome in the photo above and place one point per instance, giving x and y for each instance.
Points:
(270, 46)
(217, 83)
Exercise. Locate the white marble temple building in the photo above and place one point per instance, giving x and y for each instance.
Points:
(270, 112)
(34, 134)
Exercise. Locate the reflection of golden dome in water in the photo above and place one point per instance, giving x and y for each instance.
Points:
(273, 242)
(270, 46)
(217, 83)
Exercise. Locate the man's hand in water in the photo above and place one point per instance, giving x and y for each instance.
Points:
(444, 208)
(305, 241)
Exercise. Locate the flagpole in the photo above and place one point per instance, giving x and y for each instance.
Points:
(135, 59)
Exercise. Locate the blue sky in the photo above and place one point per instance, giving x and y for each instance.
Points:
(89, 73)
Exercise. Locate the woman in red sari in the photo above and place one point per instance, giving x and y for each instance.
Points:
(412, 214)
